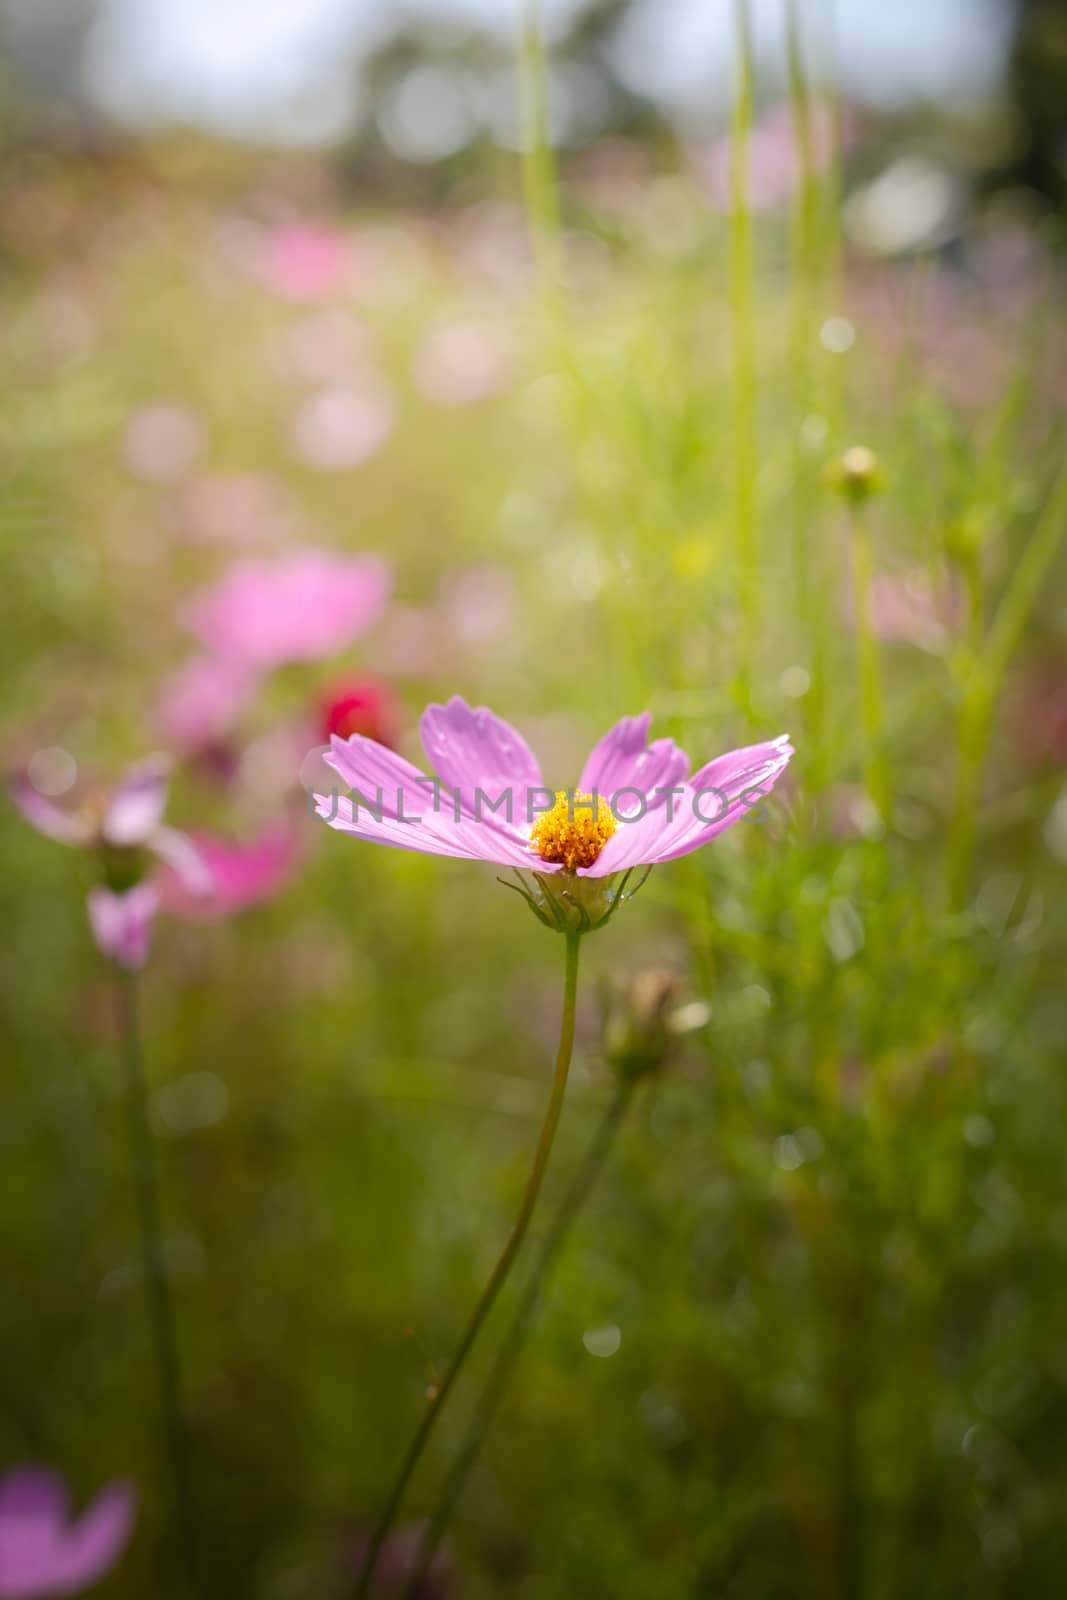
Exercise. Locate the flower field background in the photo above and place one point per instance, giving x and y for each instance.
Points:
(625, 436)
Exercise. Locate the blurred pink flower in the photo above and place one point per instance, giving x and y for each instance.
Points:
(774, 167)
(1039, 714)
(243, 875)
(301, 261)
(200, 702)
(460, 363)
(916, 607)
(965, 333)
(122, 922)
(120, 826)
(304, 607)
(41, 1551)
(341, 428)
(480, 604)
(162, 442)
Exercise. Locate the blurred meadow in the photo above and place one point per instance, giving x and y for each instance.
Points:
(750, 415)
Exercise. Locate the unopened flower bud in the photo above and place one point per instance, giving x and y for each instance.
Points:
(638, 1037)
(856, 474)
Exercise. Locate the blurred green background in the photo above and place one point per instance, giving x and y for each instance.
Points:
(294, 278)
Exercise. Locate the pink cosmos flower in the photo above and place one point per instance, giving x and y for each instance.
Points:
(121, 827)
(299, 608)
(122, 922)
(302, 262)
(635, 804)
(243, 874)
(41, 1551)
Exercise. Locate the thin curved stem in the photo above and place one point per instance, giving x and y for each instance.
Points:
(157, 1285)
(496, 1280)
(596, 1154)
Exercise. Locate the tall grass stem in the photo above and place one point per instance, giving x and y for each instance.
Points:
(154, 1268)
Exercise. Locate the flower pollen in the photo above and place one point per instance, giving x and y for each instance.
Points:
(574, 831)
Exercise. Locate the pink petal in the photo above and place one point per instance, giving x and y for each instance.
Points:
(33, 1510)
(415, 813)
(716, 797)
(37, 1492)
(427, 834)
(48, 818)
(623, 759)
(185, 858)
(473, 749)
(93, 1545)
(122, 923)
(303, 608)
(136, 806)
(242, 875)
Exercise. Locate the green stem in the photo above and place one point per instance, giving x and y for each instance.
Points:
(832, 191)
(540, 188)
(157, 1284)
(1026, 583)
(876, 760)
(743, 321)
(986, 677)
(496, 1280)
(974, 724)
(807, 556)
(500, 1374)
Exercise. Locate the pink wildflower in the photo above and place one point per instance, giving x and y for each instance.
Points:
(303, 262)
(121, 827)
(41, 1551)
(243, 874)
(634, 805)
(304, 607)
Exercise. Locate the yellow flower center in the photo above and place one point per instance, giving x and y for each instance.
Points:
(575, 831)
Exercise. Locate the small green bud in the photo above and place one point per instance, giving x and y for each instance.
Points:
(856, 474)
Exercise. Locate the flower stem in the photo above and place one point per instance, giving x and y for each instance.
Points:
(157, 1286)
(584, 1178)
(496, 1280)
(743, 324)
(540, 186)
(986, 677)
(804, 260)
(876, 762)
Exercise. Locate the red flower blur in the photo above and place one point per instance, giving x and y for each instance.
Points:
(360, 705)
